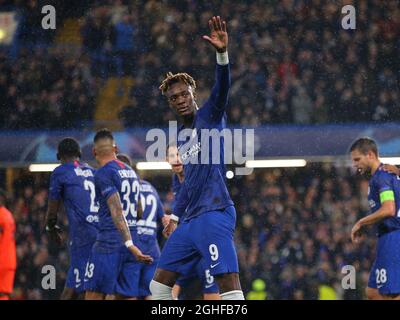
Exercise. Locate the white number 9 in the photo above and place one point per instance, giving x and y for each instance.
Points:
(213, 252)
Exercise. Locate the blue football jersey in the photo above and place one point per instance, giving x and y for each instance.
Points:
(115, 177)
(147, 227)
(73, 183)
(384, 185)
(204, 188)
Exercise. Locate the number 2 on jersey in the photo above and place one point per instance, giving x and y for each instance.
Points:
(89, 186)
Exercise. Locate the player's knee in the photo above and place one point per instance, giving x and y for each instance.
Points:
(372, 294)
(165, 277)
(69, 294)
(228, 282)
(160, 291)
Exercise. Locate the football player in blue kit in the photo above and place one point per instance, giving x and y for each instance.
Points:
(118, 191)
(200, 270)
(135, 279)
(72, 184)
(384, 201)
(209, 215)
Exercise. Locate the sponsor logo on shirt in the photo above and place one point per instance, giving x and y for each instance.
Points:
(192, 152)
(372, 203)
(92, 218)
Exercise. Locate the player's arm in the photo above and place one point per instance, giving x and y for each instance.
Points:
(115, 206)
(52, 228)
(219, 40)
(52, 213)
(54, 206)
(139, 210)
(387, 209)
(181, 203)
(161, 216)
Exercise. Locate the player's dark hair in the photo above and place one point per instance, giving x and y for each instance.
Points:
(364, 145)
(68, 147)
(103, 134)
(171, 78)
(124, 158)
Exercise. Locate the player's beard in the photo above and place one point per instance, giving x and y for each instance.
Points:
(365, 173)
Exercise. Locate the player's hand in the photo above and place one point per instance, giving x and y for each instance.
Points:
(144, 258)
(165, 220)
(391, 169)
(55, 235)
(218, 37)
(171, 226)
(139, 211)
(356, 233)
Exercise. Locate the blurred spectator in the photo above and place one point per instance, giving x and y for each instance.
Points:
(94, 35)
(258, 291)
(122, 38)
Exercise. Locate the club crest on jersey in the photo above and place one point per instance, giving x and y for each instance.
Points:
(92, 218)
(372, 203)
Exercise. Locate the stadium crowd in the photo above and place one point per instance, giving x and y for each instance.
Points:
(291, 62)
(45, 89)
(293, 233)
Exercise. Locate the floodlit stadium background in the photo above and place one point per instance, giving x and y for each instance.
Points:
(305, 84)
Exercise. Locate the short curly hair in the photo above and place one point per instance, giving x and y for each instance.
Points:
(174, 78)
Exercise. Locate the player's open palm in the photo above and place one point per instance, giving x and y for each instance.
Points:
(144, 258)
(218, 37)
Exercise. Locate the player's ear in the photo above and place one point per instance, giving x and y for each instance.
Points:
(94, 152)
(370, 154)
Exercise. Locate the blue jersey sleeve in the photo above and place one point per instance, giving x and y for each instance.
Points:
(384, 183)
(105, 184)
(181, 203)
(160, 209)
(56, 185)
(214, 108)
